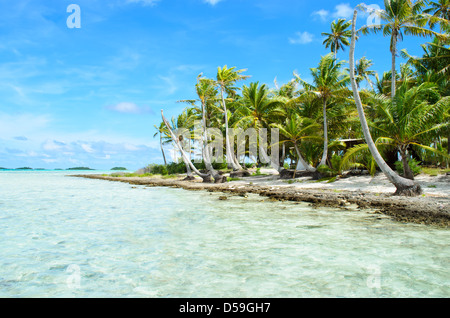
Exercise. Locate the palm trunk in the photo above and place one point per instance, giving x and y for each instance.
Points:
(283, 157)
(307, 166)
(407, 172)
(232, 161)
(325, 135)
(205, 177)
(206, 153)
(393, 72)
(404, 186)
(162, 149)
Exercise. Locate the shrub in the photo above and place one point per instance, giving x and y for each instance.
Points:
(413, 164)
(176, 168)
(157, 169)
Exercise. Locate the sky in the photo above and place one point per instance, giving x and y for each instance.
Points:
(85, 88)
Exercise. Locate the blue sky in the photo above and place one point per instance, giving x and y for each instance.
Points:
(90, 96)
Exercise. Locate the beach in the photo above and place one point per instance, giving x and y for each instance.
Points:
(357, 192)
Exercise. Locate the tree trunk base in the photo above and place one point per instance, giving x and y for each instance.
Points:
(207, 179)
(239, 174)
(220, 179)
(189, 178)
(411, 191)
(316, 175)
(289, 174)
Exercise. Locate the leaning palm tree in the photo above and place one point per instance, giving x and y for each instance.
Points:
(339, 37)
(226, 78)
(402, 17)
(329, 82)
(178, 143)
(207, 94)
(404, 186)
(296, 129)
(161, 130)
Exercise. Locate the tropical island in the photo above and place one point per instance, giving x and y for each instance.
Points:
(347, 122)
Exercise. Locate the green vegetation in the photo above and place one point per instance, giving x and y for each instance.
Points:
(118, 168)
(406, 109)
(24, 168)
(413, 165)
(434, 171)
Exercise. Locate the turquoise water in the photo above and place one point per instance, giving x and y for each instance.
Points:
(71, 237)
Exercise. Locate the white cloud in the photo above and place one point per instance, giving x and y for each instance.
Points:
(343, 10)
(87, 148)
(302, 38)
(129, 108)
(212, 2)
(322, 14)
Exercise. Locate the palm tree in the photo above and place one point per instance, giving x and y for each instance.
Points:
(296, 129)
(436, 57)
(207, 94)
(329, 82)
(205, 176)
(406, 121)
(339, 37)
(363, 72)
(404, 186)
(160, 130)
(256, 107)
(226, 78)
(441, 9)
(257, 110)
(402, 16)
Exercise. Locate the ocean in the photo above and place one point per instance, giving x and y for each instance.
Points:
(63, 236)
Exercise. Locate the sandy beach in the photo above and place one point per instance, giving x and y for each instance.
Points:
(357, 192)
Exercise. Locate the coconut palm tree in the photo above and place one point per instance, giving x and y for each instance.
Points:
(436, 57)
(257, 109)
(339, 37)
(226, 78)
(404, 186)
(441, 9)
(363, 72)
(161, 130)
(402, 17)
(207, 94)
(406, 121)
(295, 129)
(178, 143)
(329, 82)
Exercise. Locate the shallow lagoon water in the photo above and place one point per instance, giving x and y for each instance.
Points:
(72, 237)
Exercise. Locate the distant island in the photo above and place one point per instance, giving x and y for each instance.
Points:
(119, 168)
(80, 168)
(24, 168)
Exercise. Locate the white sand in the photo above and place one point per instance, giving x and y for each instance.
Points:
(431, 186)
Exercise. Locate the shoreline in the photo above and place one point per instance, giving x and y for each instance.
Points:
(429, 209)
